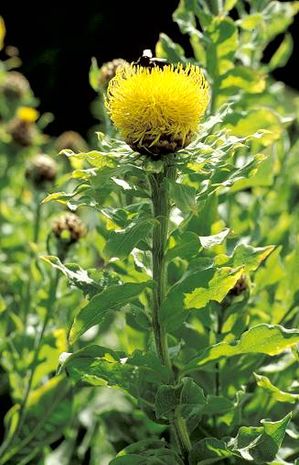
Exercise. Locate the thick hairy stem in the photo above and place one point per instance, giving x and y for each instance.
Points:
(161, 213)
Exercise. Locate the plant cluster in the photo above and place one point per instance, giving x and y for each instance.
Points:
(162, 327)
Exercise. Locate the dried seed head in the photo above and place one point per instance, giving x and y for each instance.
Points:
(68, 229)
(71, 140)
(41, 170)
(15, 86)
(108, 71)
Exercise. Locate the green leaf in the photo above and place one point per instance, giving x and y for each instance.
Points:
(246, 256)
(187, 397)
(192, 403)
(147, 452)
(208, 451)
(242, 78)
(198, 286)
(97, 366)
(282, 54)
(111, 298)
(214, 239)
(79, 277)
(183, 196)
(217, 405)
(275, 392)
(121, 243)
(167, 399)
(261, 339)
(223, 43)
(100, 366)
(219, 285)
(262, 119)
(229, 4)
(166, 48)
(260, 444)
(251, 22)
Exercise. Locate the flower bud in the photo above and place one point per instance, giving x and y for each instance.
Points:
(68, 229)
(108, 71)
(41, 170)
(22, 128)
(71, 140)
(15, 86)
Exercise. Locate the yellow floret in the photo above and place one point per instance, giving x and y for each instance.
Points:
(27, 114)
(149, 106)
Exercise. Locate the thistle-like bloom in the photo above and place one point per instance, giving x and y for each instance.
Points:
(157, 110)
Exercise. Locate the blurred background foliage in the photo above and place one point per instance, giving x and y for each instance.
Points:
(56, 48)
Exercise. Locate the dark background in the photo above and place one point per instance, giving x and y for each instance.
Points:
(56, 43)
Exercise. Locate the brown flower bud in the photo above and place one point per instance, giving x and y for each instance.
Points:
(71, 140)
(69, 228)
(41, 170)
(22, 132)
(108, 70)
(15, 86)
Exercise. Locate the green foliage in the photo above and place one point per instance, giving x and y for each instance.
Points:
(168, 334)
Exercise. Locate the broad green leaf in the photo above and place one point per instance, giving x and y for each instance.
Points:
(275, 392)
(97, 366)
(192, 403)
(223, 43)
(111, 298)
(251, 22)
(260, 444)
(147, 452)
(185, 246)
(82, 279)
(121, 243)
(242, 78)
(261, 339)
(221, 283)
(214, 239)
(247, 123)
(100, 366)
(208, 451)
(187, 397)
(183, 196)
(201, 284)
(217, 405)
(167, 399)
(246, 256)
(168, 49)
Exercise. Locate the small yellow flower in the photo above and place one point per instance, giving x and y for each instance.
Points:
(27, 114)
(157, 110)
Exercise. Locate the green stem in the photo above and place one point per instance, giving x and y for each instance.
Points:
(161, 212)
(215, 6)
(35, 238)
(37, 219)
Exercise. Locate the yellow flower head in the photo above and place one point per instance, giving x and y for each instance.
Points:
(27, 114)
(157, 110)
